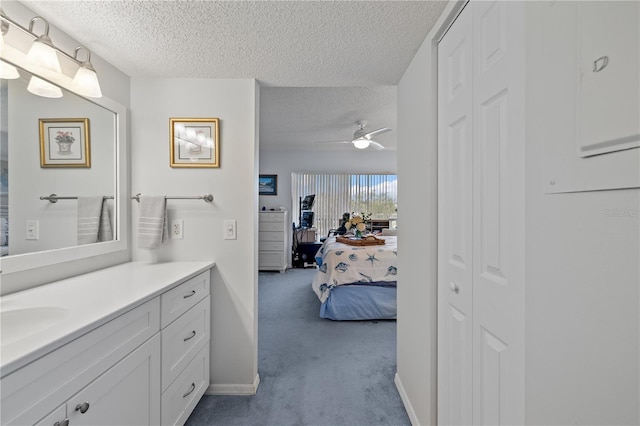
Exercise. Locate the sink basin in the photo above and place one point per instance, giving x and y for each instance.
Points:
(20, 323)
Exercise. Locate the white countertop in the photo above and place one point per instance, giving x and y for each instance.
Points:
(85, 302)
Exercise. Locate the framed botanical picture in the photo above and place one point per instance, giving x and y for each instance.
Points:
(268, 185)
(64, 142)
(194, 142)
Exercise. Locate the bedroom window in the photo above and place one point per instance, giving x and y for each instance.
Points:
(339, 193)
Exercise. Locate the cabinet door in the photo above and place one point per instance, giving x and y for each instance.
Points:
(126, 394)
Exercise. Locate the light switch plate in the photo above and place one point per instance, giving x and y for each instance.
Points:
(229, 230)
(32, 231)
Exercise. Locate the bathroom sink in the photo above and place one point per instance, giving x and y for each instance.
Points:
(20, 323)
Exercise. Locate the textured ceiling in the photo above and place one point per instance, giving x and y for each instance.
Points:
(344, 46)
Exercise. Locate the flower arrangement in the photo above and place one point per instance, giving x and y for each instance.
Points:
(65, 137)
(358, 222)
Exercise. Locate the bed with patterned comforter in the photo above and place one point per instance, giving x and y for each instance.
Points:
(357, 282)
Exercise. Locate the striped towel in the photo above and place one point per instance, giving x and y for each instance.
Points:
(89, 211)
(152, 222)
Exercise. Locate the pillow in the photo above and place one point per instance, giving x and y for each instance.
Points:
(389, 232)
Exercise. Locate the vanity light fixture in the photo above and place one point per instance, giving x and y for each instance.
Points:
(86, 80)
(7, 71)
(43, 54)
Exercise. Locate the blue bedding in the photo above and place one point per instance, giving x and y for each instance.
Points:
(360, 302)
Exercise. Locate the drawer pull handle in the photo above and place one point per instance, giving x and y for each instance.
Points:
(193, 292)
(83, 408)
(193, 334)
(65, 422)
(193, 387)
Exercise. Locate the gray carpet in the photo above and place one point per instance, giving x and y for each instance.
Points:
(313, 371)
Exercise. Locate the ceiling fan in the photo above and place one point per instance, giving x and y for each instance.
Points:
(363, 138)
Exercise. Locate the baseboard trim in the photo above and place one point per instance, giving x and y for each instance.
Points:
(405, 401)
(234, 389)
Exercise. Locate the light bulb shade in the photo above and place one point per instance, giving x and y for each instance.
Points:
(43, 55)
(8, 72)
(361, 143)
(39, 87)
(86, 83)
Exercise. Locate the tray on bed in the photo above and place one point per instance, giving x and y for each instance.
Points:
(369, 240)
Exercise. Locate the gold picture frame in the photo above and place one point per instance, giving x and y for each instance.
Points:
(194, 142)
(64, 142)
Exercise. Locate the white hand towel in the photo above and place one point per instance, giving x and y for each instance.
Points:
(152, 222)
(104, 232)
(89, 209)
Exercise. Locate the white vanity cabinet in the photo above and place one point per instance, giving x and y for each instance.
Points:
(145, 365)
(185, 320)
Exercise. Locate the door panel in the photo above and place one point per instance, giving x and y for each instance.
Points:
(455, 225)
(498, 220)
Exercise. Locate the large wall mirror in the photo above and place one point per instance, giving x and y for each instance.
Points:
(35, 165)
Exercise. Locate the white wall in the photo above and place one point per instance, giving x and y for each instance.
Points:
(583, 275)
(417, 267)
(234, 187)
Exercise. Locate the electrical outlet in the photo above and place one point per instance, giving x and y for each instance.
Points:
(229, 230)
(176, 229)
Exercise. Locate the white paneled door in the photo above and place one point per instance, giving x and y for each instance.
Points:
(455, 248)
(481, 216)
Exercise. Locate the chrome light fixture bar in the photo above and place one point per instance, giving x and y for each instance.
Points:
(43, 55)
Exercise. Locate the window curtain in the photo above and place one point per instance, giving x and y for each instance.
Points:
(335, 194)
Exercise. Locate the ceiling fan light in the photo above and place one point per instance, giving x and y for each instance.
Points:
(86, 82)
(361, 143)
(39, 87)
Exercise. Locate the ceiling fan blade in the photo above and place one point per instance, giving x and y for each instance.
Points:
(332, 142)
(377, 132)
(376, 145)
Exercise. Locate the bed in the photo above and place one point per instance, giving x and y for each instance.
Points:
(357, 283)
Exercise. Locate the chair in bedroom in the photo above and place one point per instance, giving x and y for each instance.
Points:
(341, 229)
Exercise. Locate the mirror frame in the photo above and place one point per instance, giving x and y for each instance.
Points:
(27, 261)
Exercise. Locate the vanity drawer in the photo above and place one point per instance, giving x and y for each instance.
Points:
(182, 339)
(179, 400)
(179, 300)
(38, 389)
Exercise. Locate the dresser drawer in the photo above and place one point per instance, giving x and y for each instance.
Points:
(270, 259)
(182, 339)
(271, 236)
(271, 246)
(272, 217)
(179, 400)
(271, 226)
(179, 300)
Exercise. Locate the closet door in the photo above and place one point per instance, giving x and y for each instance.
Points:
(498, 213)
(455, 192)
(481, 216)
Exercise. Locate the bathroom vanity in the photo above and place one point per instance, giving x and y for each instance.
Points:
(127, 344)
